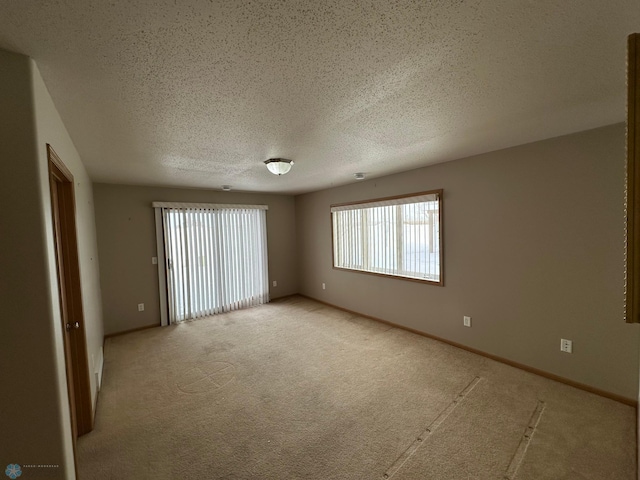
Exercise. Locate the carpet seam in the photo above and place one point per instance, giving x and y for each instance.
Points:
(431, 428)
(523, 446)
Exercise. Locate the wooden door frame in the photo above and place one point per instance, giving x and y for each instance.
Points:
(632, 174)
(68, 270)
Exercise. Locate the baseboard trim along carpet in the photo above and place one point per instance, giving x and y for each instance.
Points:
(111, 335)
(587, 388)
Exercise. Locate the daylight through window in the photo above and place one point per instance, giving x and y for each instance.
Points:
(397, 236)
(216, 258)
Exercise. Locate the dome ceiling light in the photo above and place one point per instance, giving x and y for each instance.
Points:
(279, 166)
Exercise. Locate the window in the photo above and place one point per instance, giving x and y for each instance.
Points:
(215, 258)
(395, 236)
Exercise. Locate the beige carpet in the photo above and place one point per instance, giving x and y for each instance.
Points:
(298, 390)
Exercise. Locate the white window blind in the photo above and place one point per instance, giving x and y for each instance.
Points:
(215, 257)
(397, 236)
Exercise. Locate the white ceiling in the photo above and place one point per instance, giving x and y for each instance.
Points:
(200, 93)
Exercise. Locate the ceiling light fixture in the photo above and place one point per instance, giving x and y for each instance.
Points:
(226, 188)
(279, 166)
(359, 176)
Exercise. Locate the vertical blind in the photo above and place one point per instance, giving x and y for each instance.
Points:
(216, 258)
(397, 237)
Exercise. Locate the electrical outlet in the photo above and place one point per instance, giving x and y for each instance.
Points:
(566, 346)
(141, 307)
(324, 286)
(467, 321)
(275, 283)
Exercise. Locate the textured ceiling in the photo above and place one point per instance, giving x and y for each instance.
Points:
(200, 93)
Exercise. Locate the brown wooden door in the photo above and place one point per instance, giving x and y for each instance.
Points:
(71, 312)
(64, 310)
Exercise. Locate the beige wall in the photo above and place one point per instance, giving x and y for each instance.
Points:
(50, 130)
(34, 403)
(127, 242)
(533, 241)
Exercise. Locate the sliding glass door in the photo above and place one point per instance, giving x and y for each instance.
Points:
(215, 258)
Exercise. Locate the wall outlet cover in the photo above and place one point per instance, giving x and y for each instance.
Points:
(566, 345)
